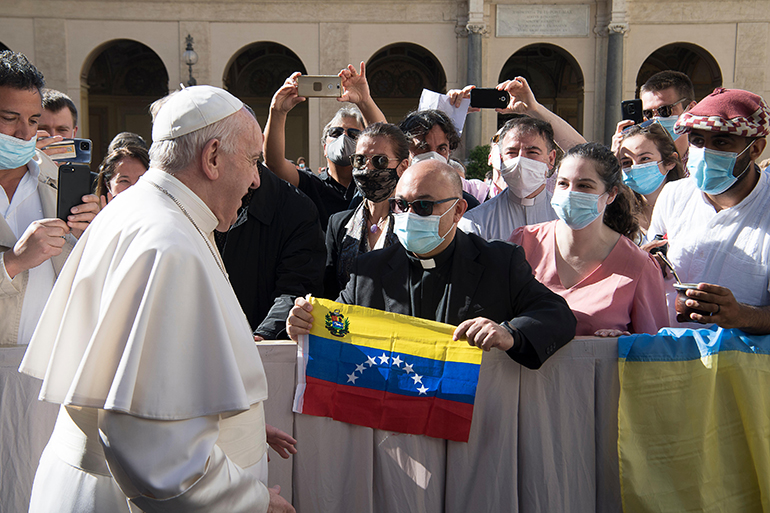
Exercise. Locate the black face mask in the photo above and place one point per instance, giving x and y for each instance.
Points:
(376, 184)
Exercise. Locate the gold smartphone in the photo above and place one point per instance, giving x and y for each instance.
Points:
(319, 86)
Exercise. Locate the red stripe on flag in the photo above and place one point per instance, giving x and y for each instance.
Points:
(429, 416)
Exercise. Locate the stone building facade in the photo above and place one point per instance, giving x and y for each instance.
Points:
(582, 57)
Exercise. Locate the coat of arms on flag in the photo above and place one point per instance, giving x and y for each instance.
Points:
(386, 371)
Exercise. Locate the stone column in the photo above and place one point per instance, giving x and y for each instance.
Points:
(476, 29)
(475, 76)
(614, 88)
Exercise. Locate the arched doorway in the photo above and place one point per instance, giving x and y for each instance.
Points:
(554, 76)
(690, 59)
(398, 73)
(255, 74)
(123, 78)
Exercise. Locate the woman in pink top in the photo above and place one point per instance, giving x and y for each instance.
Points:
(587, 256)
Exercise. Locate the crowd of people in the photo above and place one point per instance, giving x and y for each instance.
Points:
(564, 238)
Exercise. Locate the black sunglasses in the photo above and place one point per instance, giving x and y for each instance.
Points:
(420, 207)
(663, 111)
(337, 131)
(359, 161)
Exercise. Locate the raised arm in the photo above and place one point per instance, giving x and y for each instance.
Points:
(523, 102)
(356, 90)
(285, 99)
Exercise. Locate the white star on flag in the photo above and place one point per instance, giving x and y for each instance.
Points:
(371, 361)
(352, 377)
(397, 361)
(417, 379)
(423, 390)
(360, 368)
(408, 368)
(384, 359)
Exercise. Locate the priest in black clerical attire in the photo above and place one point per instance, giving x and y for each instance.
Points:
(440, 273)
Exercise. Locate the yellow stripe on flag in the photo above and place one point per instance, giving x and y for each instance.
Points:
(392, 332)
(694, 435)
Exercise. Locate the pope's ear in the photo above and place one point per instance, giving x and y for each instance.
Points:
(211, 159)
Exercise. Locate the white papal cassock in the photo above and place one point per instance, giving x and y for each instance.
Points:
(145, 346)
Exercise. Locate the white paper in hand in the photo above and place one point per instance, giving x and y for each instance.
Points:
(438, 101)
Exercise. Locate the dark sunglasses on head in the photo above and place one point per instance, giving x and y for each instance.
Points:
(337, 131)
(644, 125)
(359, 161)
(420, 207)
(663, 111)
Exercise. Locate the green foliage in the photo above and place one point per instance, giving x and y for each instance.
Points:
(477, 166)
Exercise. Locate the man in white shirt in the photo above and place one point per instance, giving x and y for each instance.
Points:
(717, 221)
(143, 341)
(33, 242)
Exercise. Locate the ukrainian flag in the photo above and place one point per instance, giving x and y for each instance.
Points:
(694, 421)
(387, 371)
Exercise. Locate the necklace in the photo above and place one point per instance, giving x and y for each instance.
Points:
(188, 216)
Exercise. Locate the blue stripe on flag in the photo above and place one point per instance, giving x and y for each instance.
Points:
(684, 344)
(398, 373)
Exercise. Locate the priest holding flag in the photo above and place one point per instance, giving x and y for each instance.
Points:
(485, 289)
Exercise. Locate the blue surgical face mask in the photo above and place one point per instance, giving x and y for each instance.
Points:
(419, 234)
(15, 152)
(577, 209)
(712, 170)
(668, 123)
(643, 178)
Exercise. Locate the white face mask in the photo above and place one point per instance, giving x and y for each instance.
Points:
(428, 155)
(523, 176)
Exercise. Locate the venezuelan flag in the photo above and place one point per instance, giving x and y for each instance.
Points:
(386, 371)
(694, 421)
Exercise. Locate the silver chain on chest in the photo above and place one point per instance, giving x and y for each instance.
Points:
(184, 211)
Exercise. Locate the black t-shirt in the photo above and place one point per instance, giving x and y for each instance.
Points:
(328, 194)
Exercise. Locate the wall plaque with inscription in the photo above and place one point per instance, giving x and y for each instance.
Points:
(543, 20)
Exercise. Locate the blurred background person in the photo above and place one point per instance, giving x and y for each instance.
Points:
(120, 170)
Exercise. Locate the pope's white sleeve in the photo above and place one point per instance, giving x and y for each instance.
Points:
(176, 466)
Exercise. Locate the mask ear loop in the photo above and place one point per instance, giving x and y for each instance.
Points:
(445, 213)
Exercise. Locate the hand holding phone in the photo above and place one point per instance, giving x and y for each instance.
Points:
(632, 109)
(319, 86)
(489, 98)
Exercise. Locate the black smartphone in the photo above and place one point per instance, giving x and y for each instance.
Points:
(74, 183)
(489, 98)
(76, 150)
(632, 109)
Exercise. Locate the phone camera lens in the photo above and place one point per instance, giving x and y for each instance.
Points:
(84, 146)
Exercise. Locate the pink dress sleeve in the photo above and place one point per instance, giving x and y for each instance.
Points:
(649, 312)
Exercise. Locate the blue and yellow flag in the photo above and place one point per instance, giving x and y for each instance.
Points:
(387, 371)
(694, 421)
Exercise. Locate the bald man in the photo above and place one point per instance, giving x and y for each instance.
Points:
(437, 272)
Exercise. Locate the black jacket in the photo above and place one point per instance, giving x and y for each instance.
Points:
(276, 255)
(488, 279)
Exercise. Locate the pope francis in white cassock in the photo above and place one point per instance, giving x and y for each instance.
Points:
(144, 343)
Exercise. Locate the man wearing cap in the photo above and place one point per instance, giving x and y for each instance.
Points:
(143, 341)
(717, 221)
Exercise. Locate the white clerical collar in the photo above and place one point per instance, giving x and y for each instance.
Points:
(524, 202)
(427, 263)
(198, 210)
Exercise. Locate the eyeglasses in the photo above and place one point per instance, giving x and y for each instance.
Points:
(359, 161)
(422, 208)
(663, 111)
(337, 131)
